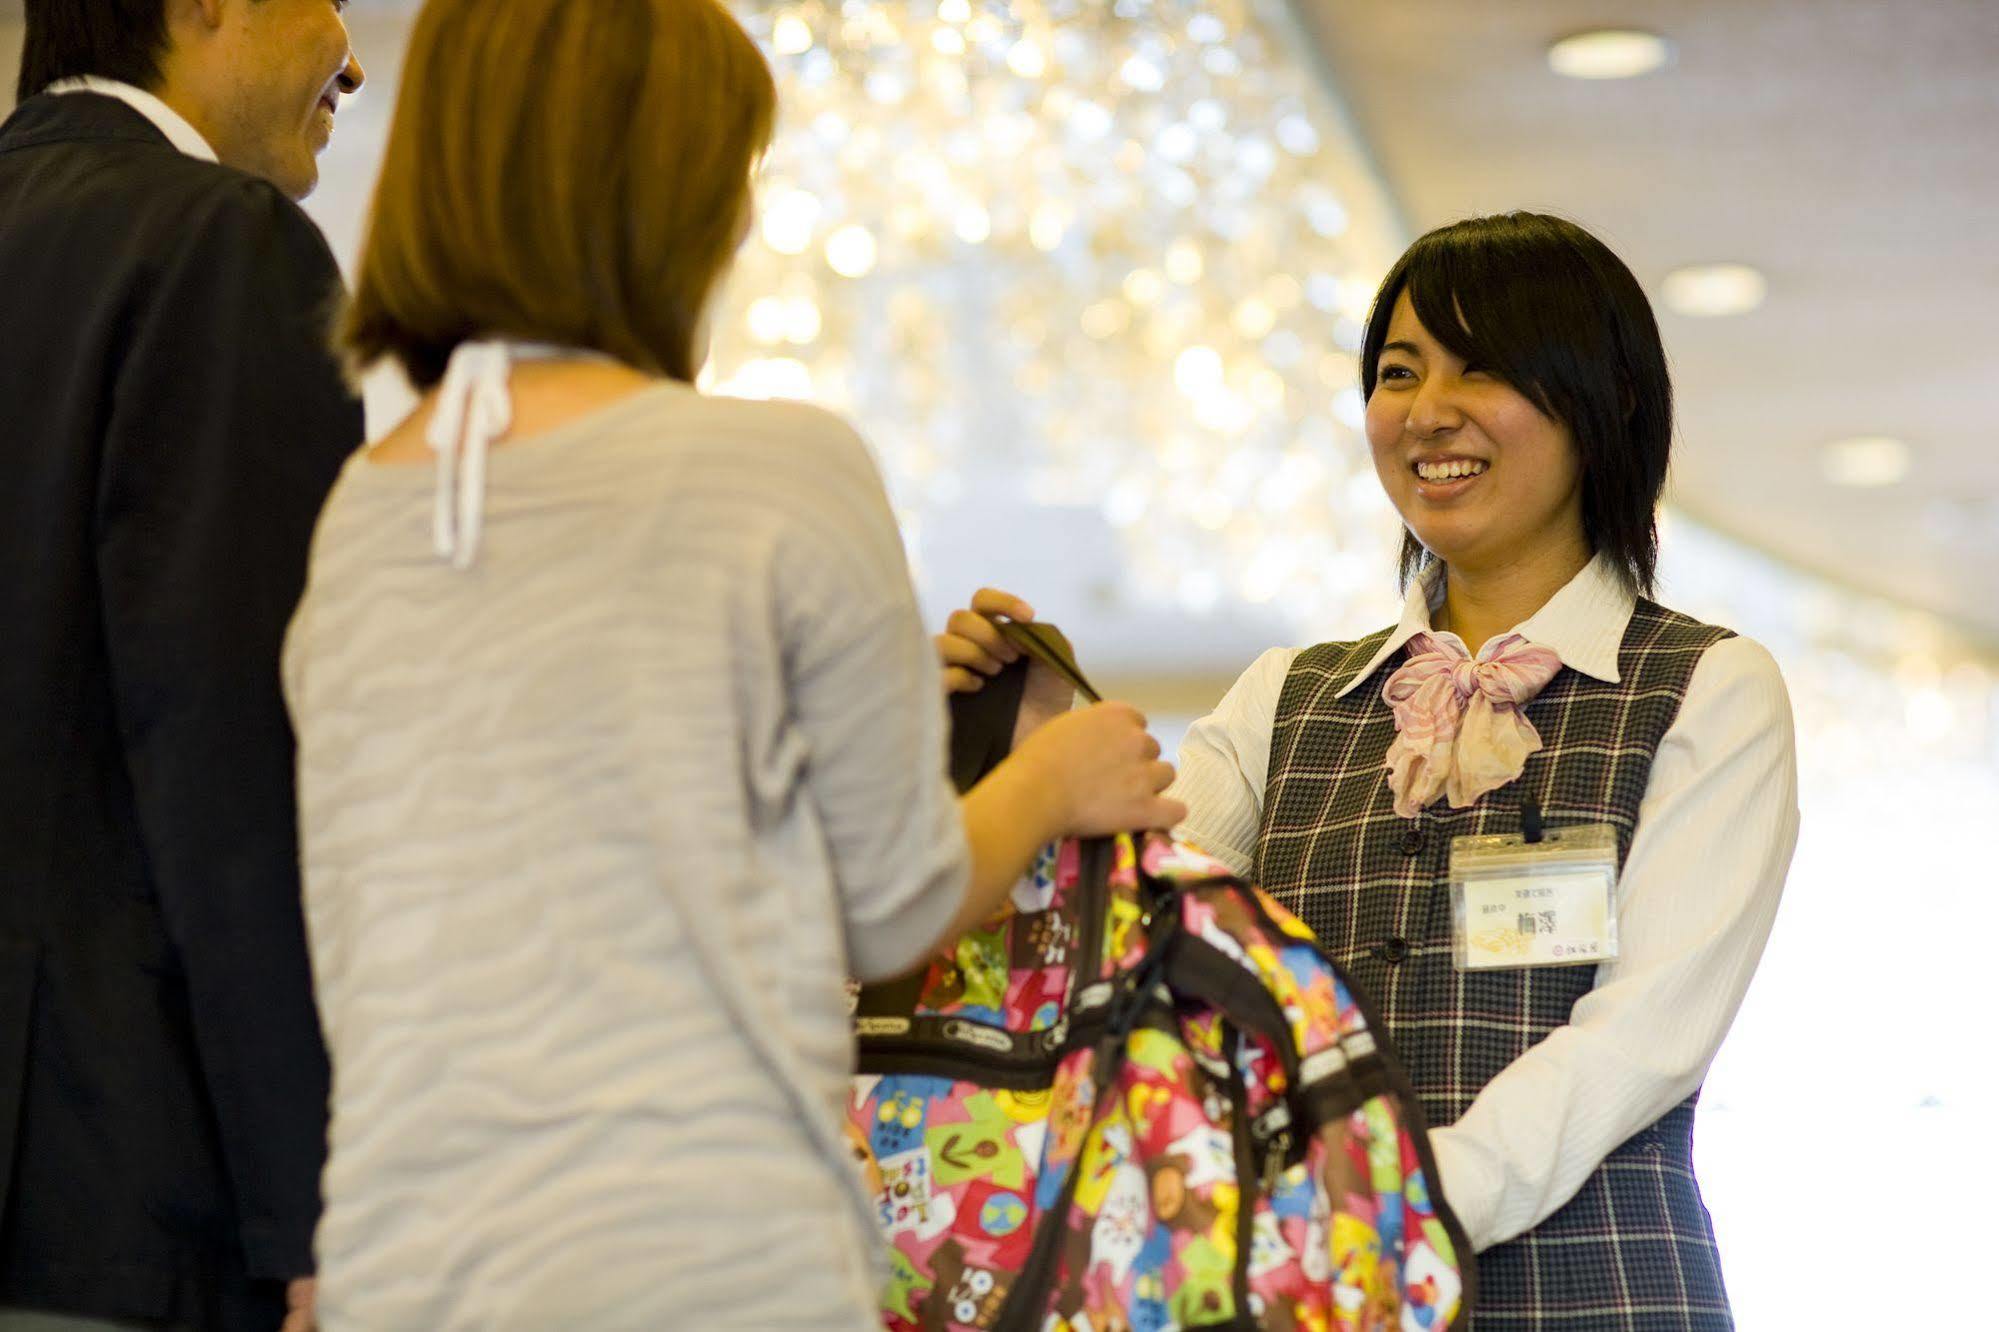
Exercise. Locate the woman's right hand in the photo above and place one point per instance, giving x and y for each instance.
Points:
(1099, 773)
(1089, 773)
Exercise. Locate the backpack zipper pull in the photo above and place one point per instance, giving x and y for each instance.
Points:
(1278, 1150)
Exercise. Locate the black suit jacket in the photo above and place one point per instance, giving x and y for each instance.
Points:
(170, 422)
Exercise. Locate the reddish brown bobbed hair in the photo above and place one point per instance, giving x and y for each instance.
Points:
(565, 171)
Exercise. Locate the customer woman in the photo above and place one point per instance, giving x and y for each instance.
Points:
(1520, 416)
(618, 749)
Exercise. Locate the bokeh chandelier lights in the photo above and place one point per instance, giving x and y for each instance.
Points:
(1078, 252)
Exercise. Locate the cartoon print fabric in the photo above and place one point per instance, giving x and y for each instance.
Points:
(1232, 1166)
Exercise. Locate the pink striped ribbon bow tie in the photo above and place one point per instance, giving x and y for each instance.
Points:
(1459, 730)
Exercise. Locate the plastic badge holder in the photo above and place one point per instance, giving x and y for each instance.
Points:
(1548, 903)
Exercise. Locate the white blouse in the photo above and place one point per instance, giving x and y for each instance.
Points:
(1699, 892)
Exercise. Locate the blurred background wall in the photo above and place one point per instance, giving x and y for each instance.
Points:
(1090, 275)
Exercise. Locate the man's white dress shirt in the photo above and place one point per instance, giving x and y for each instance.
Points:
(164, 118)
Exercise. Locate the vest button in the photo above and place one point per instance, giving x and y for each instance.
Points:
(1412, 841)
(1392, 951)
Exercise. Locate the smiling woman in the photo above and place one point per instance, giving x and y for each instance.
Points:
(1520, 339)
(1533, 702)
(1520, 416)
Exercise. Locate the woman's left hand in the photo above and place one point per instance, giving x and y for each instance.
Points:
(972, 648)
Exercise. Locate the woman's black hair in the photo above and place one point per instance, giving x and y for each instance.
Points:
(1545, 306)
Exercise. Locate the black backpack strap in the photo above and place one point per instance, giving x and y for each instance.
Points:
(982, 723)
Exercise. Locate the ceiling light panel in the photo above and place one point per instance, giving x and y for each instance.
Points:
(1709, 291)
(1609, 53)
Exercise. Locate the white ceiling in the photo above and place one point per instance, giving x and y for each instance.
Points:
(1849, 148)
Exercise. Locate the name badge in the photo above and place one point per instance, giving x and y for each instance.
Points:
(1550, 903)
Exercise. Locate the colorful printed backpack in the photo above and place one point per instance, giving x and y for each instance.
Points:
(1141, 1099)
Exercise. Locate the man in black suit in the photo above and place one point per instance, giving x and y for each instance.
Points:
(170, 422)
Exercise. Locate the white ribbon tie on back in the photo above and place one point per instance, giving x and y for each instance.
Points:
(475, 406)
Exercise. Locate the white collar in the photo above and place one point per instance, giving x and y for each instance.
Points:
(163, 117)
(1583, 624)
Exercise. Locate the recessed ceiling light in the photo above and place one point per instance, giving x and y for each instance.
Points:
(1866, 461)
(1709, 290)
(1609, 53)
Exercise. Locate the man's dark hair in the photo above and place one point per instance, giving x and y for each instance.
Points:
(1547, 308)
(113, 39)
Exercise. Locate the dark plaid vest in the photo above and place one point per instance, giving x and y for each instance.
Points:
(1633, 1250)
